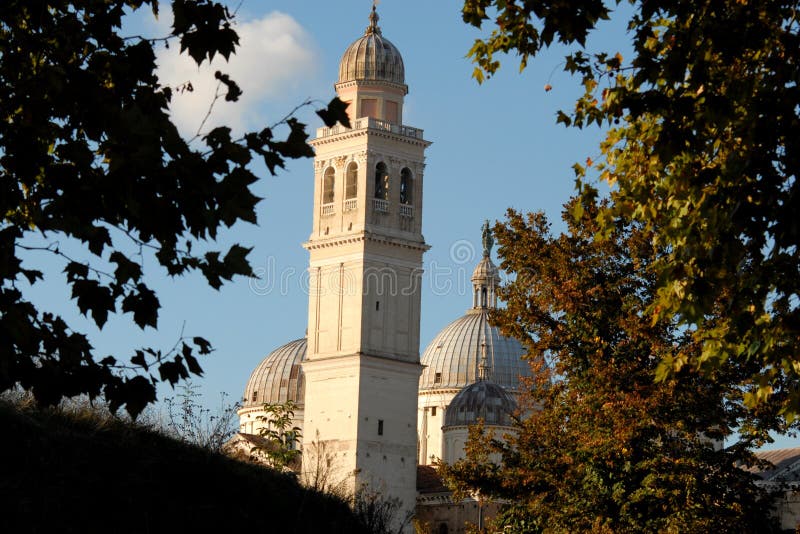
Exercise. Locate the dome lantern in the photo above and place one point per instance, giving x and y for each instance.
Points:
(485, 277)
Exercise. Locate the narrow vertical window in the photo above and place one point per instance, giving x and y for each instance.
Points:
(433, 411)
(380, 427)
(327, 186)
(351, 181)
(406, 186)
(369, 107)
(391, 111)
(381, 181)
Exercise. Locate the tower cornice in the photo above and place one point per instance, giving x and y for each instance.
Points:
(368, 126)
(363, 237)
(371, 83)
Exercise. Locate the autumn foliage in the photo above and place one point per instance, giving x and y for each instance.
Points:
(601, 446)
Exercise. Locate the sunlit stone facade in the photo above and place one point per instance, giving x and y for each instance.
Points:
(361, 392)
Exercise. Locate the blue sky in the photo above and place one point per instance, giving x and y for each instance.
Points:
(495, 146)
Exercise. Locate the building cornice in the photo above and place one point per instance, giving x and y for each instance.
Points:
(352, 134)
(365, 237)
(367, 84)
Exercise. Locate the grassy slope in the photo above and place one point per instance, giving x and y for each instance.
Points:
(61, 473)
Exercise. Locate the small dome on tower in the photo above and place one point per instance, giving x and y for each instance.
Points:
(482, 400)
(279, 377)
(372, 58)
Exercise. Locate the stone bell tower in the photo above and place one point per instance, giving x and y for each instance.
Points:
(362, 364)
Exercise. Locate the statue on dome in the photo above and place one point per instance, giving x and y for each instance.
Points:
(487, 239)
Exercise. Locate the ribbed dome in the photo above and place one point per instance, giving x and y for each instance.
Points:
(481, 400)
(278, 378)
(372, 58)
(452, 358)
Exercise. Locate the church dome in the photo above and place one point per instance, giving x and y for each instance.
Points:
(451, 360)
(278, 378)
(481, 400)
(372, 58)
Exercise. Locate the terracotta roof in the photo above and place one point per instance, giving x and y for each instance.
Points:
(254, 439)
(428, 480)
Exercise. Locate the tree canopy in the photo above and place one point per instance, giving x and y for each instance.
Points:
(702, 149)
(599, 445)
(88, 152)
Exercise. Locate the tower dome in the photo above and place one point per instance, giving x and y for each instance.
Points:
(372, 58)
(278, 378)
(482, 400)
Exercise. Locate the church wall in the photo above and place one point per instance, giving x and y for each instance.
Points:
(433, 512)
(430, 426)
(455, 439)
(787, 509)
(249, 422)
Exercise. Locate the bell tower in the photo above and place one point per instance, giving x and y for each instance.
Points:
(366, 245)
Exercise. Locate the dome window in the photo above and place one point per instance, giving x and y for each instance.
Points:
(369, 107)
(392, 114)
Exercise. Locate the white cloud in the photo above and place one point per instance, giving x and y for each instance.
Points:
(275, 55)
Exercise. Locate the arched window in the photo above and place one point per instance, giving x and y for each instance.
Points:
(327, 186)
(381, 181)
(351, 181)
(406, 186)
